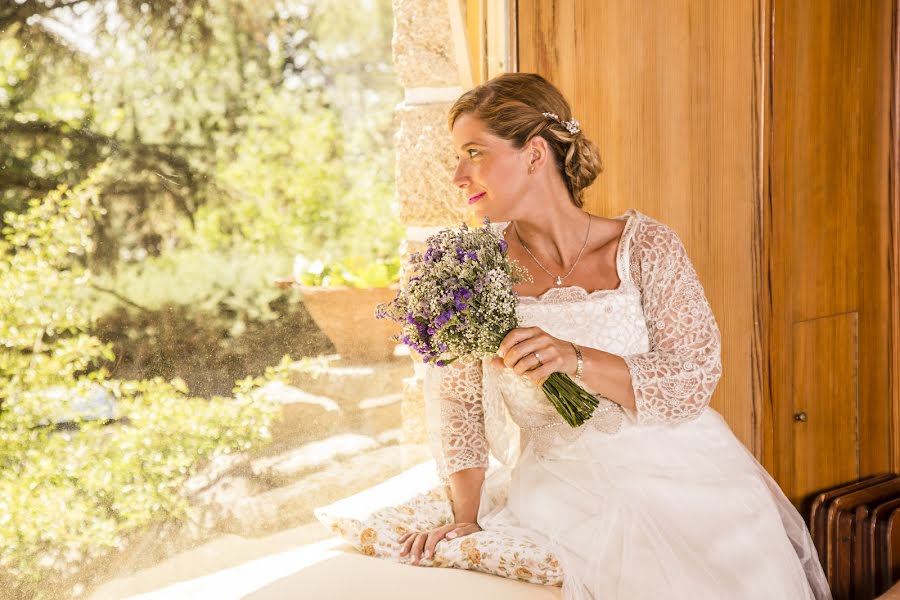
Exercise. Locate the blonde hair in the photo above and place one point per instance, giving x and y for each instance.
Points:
(512, 106)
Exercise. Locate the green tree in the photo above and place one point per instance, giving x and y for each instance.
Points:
(223, 115)
(69, 495)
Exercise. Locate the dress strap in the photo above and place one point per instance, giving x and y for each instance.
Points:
(623, 255)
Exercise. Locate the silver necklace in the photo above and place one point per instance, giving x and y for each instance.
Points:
(558, 278)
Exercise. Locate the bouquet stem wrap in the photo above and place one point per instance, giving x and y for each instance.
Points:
(571, 401)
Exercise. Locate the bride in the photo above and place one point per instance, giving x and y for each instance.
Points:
(654, 497)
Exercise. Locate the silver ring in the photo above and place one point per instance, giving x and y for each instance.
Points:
(538, 356)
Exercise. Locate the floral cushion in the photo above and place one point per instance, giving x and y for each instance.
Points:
(373, 520)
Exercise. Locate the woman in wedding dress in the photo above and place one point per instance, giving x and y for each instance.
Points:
(653, 497)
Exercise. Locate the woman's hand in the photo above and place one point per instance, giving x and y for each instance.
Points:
(422, 543)
(535, 354)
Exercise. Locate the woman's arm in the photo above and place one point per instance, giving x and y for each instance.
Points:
(455, 414)
(461, 452)
(606, 372)
(464, 447)
(673, 381)
(465, 494)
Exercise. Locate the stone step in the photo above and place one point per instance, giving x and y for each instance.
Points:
(275, 470)
(284, 468)
(347, 383)
(305, 417)
(376, 415)
(292, 504)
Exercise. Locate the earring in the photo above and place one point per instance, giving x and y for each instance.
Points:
(530, 169)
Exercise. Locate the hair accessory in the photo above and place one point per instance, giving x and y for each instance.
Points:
(571, 126)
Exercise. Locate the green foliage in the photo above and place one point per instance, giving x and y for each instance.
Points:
(41, 256)
(231, 122)
(173, 158)
(353, 271)
(203, 348)
(286, 176)
(236, 135)
(67, 497)
(236, 281)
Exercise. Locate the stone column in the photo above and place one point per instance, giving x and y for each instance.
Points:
(427, 65)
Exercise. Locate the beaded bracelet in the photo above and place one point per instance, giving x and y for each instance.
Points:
(579, 366)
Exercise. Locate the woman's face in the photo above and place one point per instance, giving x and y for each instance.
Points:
(490, 170)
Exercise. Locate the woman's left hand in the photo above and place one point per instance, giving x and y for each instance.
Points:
(535, 354)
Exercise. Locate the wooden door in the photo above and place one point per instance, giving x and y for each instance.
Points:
(664, 88)
(826, 242)
(760, 130)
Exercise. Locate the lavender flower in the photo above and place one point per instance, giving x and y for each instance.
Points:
(459, 301)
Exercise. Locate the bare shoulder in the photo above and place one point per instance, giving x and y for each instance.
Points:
(606, 232)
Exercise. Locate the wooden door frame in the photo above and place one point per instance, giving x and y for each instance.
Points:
(766, 427)
(483, 31)
(894, 252)
(763, 411)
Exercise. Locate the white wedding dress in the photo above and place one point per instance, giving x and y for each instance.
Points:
(661, 502)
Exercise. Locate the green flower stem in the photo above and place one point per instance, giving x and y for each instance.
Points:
(571, 401)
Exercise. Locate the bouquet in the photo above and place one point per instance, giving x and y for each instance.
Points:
(459, 304)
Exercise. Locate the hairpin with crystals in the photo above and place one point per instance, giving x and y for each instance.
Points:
(571, 126)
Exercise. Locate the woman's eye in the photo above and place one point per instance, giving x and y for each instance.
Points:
(470, 153)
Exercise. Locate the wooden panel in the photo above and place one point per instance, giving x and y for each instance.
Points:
(766, 292)
(894, 177)
(487, 32)
(824, 362)
(665, 90)
(825, 225)
(476, 35)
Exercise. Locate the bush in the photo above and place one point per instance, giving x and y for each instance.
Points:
(237, 283)
(70, 497)
(208, 318)
(202, 348)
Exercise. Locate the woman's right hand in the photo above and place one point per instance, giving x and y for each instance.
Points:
(422, 543)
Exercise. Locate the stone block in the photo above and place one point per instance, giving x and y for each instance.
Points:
(425, 167)
(423, 49)
(379, 414)
(284, 468)
(304, 416)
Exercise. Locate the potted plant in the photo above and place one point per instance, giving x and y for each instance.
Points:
(341, 297)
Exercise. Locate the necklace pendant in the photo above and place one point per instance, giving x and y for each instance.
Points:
(558, 280)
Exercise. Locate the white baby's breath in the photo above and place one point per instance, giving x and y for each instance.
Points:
(459, 302)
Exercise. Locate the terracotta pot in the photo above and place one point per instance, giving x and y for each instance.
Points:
(347, 316)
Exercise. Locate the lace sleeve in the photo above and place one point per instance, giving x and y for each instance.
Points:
(675, 380)
(455, 414)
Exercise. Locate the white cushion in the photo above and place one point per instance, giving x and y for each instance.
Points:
(373, 520)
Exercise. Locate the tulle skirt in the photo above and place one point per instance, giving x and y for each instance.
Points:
(665, 511)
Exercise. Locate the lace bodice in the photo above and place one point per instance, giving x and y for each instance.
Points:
(658, 320)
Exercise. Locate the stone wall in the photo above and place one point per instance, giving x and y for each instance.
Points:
(426, 65)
